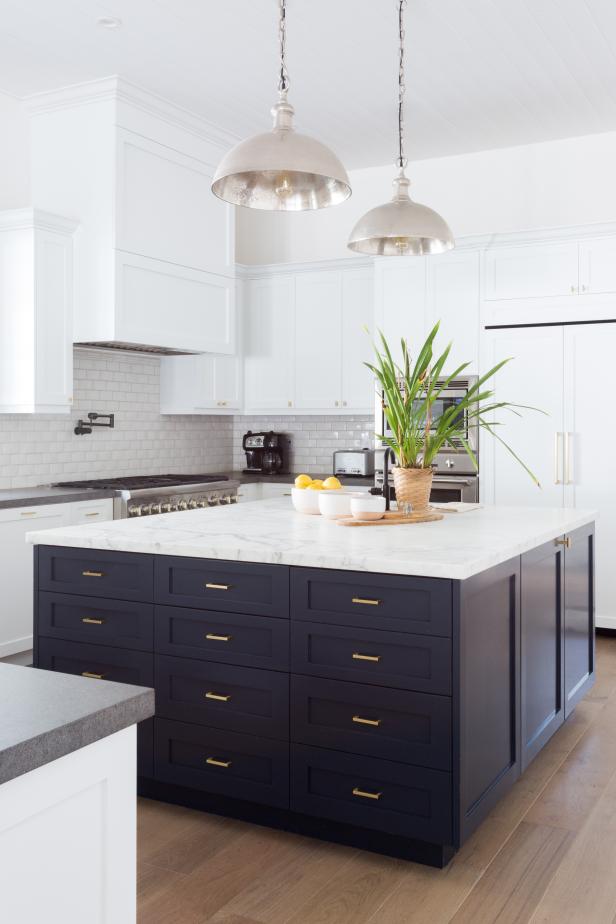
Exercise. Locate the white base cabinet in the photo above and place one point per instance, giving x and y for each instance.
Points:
(16, 562)
(71, 826)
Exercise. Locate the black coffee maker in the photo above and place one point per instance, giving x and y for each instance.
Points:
(266, 453)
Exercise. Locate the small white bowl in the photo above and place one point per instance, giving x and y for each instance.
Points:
(368, 507)
(335, 504)
(305, 500)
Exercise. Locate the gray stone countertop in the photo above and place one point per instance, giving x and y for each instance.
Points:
(45, 715)
(289, 478)
(34, 497)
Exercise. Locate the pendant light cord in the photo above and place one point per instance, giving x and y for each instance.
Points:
(283, 82)
(401, 86)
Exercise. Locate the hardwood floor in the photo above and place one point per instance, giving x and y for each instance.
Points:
(546, 854)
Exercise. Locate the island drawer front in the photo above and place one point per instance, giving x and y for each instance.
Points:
(239, 699)
(230, 764)
(409, 801)
(228, 638)
(119, 623)
(389, 659)
(373, 601)
(225, 586)
(413, 728)
(121, 575)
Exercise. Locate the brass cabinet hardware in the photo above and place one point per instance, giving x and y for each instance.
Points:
(92, 675)
(364, 794)
(218, 586)
(94, 513)
(557, 458)
(218, 638)
(566, 541)
(362, 657)
(225, 764)
(28, 513)
(567, 451)
(366, 601)
(91, 621)
(361, 721)
(93, 573)
(221, 697)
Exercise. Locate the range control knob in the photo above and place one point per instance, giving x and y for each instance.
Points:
(134, 511)
(183, 505)
(449, 463)
(202, 503)
(154, 508)
(213, 501)
(192, 504)
(233, 499)
(145, 510)
(165, 508)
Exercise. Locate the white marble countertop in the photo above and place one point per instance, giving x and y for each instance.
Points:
(457, 547)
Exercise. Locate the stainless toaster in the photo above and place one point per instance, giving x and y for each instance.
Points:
(354, 462)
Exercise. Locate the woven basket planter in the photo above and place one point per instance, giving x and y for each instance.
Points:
(413, 486)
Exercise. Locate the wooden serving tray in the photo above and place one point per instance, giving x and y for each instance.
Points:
(393, 518)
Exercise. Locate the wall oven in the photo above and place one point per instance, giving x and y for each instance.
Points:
(455, 478)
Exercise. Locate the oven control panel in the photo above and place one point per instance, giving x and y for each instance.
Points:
(174, 503)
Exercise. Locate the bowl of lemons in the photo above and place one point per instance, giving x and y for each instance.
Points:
(305, 494)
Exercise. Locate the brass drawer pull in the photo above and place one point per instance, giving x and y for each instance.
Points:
(93, 573)
(366, 601)
(218, 586)
(361, 721)
(91, 621)
(92, 675)
(28, 513)
(364, 794)
(566, 541)
(95, 513)
(218, 638)
(225, 764)
(362, 657)
(221, 697)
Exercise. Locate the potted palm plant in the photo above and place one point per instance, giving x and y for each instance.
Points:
(409, 394)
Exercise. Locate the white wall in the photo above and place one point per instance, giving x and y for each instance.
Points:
(14, 154)
(566, 182)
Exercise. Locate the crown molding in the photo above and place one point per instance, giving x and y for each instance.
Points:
(118, 89)
(260, 270)
(23, 219)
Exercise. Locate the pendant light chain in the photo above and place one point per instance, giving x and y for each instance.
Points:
(283, 82)
(402, 161)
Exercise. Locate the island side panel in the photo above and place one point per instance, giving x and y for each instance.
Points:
(579, 618)
(488, 701)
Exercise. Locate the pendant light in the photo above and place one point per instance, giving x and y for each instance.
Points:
(401, 227)
(281, 170)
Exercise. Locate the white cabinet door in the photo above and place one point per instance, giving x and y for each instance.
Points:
(200, 384)
(275, 489)
(533, 377)
(17, 571)
(318, 340)
(249, 492)
(95, 511)
(174, 307)
(53, 269)
(531, 271)
(166, 210)
(400, 302)
(591, 447)
(598, 266)
(453, 299)
(357, 317)
(269, 329)
(226, 382)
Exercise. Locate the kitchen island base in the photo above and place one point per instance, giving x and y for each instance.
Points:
(386, 711)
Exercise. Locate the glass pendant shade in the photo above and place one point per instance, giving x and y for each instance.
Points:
(401, 227)
(281, 170)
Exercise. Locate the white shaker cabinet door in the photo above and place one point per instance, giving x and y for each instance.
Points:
(357, 318)
(318, 341)
(590, 448)
(17, 570)
(532, 271)
(94, 511)
(269, 345)
(533, 377)
(598, 266)
(453, 299)
(400, 299)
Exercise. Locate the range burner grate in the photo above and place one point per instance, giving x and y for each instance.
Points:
(139, 482)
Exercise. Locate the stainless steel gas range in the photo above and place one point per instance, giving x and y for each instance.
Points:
(144, 495)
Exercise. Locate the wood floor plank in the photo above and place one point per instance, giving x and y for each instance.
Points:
(158, 823)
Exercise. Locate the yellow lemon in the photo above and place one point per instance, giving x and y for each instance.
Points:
(303, 481)
(332, 483)
(316, 485)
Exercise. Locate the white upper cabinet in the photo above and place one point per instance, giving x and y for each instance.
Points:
(318, 341)
(531, 271)
(454, 300)
(357, 387)
(400, 301)
(36, 302)
(205, 384)
(598, 266)
(155, 254)
(269, 344)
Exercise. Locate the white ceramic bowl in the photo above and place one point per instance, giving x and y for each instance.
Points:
(368, 507)
(335, 504)
(306, 501)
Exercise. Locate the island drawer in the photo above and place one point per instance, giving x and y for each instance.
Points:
(224, 586)
(121, 575)
(413, 728)
(229, 638)
(240, 766)
(374, 601)
(239, 699)
(390, 659)
(119, 623)
(409, 801)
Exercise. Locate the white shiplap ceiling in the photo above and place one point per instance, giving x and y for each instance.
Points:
(481, 73)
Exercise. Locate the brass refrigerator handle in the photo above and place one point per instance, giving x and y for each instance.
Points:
(567, 451)
(557, 436)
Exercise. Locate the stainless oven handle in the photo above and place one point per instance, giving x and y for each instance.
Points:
(443, 480)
